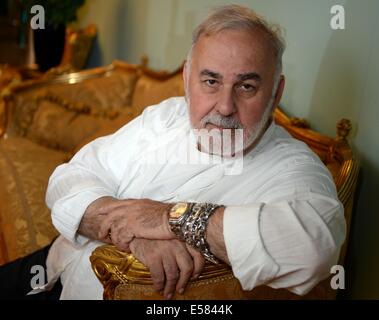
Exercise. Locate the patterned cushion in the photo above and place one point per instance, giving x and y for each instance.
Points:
(56, 127)
(101, 96)
(114, 91)
(25, 223)
(23, 106)
(107, 128)
(149, 91)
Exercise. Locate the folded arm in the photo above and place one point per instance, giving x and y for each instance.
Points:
(289, 244)
(286, 241)
(79, 192)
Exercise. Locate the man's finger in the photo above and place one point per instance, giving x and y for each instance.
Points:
(110, 219)
(141, 247)
(107, 240)
(198, 261)
(105, 226)
(120, 233)
(185, 264)
(124, 247)
(172, 275)
(157, 275)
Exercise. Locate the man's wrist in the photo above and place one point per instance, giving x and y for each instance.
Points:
(166, 218)
(188, 222)
(215, 235)
(177, 217)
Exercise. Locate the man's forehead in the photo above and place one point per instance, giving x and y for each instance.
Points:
(250, 75)
(254, 38)
(236, 50)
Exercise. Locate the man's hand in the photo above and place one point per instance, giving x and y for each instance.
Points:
(171, 263)
(136, 219)
(95, 215)
(124, 220)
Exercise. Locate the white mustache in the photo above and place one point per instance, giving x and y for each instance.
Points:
(220, 121)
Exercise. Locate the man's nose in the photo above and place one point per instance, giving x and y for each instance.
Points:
(225, 103)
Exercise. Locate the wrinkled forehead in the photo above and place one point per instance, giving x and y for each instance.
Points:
(237, 50)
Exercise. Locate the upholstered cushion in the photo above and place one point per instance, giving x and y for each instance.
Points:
(101, 96)
(56, 127)
(107, 127)
(25, 223)
(22, 106)
(149, 91)
(113, 91)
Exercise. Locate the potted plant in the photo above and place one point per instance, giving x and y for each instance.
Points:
(49, 42)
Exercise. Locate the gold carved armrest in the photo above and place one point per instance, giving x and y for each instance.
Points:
(125, 278)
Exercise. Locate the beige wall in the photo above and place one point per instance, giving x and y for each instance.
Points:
(330, 75)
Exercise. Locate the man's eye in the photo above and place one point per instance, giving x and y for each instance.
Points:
(211, 82)
(247, 87)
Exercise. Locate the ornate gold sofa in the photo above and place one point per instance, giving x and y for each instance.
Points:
(125, 278)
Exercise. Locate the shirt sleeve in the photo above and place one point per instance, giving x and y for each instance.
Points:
(97, 169)
(291, 238)
(94, 172)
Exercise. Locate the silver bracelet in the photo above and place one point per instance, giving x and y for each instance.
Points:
(193, 230)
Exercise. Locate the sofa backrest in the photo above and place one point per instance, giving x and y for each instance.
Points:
(62, 112)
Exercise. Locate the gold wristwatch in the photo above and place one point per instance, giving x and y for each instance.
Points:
(177, 216)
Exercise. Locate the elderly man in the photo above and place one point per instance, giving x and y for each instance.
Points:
(277, 221)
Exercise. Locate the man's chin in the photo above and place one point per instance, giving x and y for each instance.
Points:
(220, 141)
(222, 151)
(211, 126)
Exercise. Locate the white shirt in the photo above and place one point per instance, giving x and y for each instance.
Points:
(283, 223)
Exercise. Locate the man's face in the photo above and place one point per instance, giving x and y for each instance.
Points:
(230, 81)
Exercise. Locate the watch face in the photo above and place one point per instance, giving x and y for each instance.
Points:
(178, 210)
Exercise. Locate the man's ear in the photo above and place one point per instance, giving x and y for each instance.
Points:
(279, 90)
